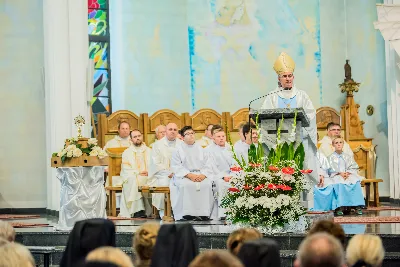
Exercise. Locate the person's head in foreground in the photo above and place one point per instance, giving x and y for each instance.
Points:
(238, 237)
(15, 255)
(109, 255)
(284, 66)
(365, 251)
(144, 242)
(260, 253)
(7, 231)
(330, 227)
(176, 246)
(86, 236)
(188, 135)
(216, 258)
(320, 250)
(337, 143)
(3, 241)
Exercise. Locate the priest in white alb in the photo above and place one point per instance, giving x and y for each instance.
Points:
(286, 95)
(134, 173)
(122, 139)
(206, 139)
(192, 196)
(221, 162)
(160, 171)
(325, 144)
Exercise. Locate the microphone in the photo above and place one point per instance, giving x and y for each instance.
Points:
(258, 98)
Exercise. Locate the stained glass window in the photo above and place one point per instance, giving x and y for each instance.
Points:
(99, 51)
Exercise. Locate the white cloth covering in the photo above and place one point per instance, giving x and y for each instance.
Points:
(160, 167)
(188, 197)
(221, 161)
(134, 161)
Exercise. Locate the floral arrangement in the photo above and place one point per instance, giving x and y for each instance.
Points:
(75, 150)
(266, 192)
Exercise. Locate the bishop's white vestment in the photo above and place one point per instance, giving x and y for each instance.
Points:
(188, 197)
(221, 161)
(327, 148)
(204, 141)
(134, 161)
(160, 167)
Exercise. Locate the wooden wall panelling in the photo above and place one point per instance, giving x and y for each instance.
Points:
(203, 117)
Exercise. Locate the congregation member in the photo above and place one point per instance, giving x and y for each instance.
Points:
(109, 255)
(325, 144)
(260, 253)
(160, 171)
(144, 241)
(191, 187)
(134, 173)
(206, 139)
(365, 250)
(15, 255)
(216, 258)
(329, 227)
(7, 231)
(241, 149)
(122, 139)
(238, 237)
(176, 246)
(320, 250)
(86, 236)
(221, 162)
(286, 95)
(160, 133)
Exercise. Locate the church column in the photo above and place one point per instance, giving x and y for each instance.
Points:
(66, 58)
(388, 17)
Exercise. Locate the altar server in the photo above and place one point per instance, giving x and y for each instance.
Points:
(160, 171)
(286, 95)
(242, 148)
(326, 147)
(122, 139)
(191, 187)
(206, 139)
(345, 180)
(221, 163)
(134, 173)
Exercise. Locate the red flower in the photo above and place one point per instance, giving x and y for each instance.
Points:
(255, 165)
(288, 170)
(272, 186)
(259, 187)
(236, 169)
(246, 187)
(306, 171)
(273, 168)
(285, 187)
(233, 189)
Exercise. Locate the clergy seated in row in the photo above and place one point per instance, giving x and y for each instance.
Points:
(191, 189)
(221, 163)
(240, 131)
(250, 137)
(340, 188)
(122, 139)
(325, 144)
(206, 139)
(160, 133)
(160, 171)
(134, 173)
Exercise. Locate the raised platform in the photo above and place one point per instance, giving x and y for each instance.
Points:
(212, 235)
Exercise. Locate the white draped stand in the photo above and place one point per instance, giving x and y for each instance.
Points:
(82, 195)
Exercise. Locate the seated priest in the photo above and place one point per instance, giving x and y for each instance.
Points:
(134, 173)
(160, 133)
(325, 144)
(242, 149)
(344, 179)
(192, 196)
(206, 139)
(122, 139)
(323, 191)
(221, 161)
(160, 171)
